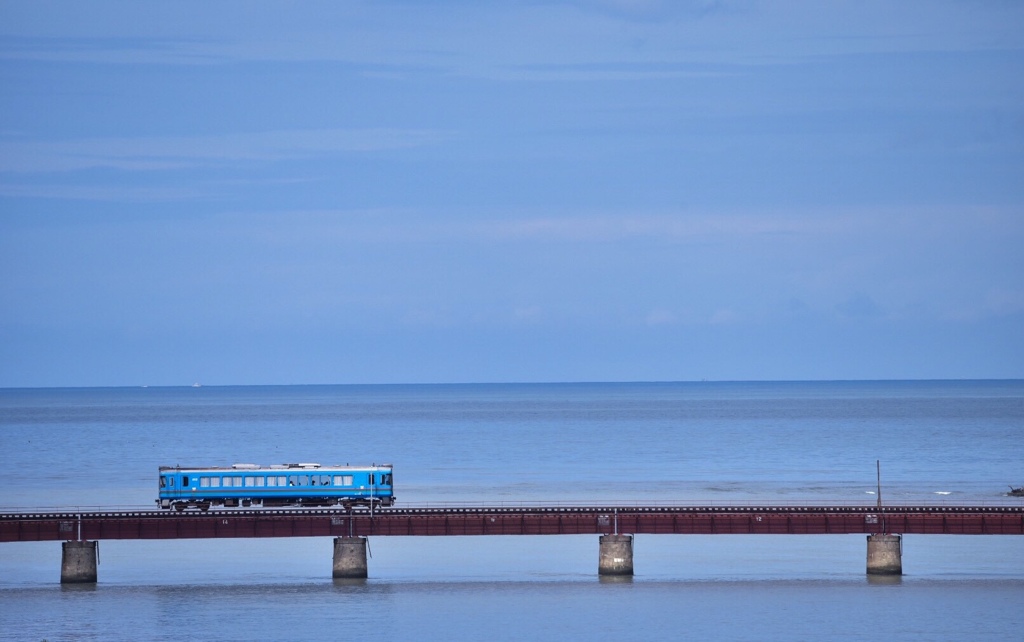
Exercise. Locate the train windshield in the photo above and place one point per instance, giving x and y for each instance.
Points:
(385, 479)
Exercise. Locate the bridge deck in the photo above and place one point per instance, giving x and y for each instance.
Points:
(996, 520)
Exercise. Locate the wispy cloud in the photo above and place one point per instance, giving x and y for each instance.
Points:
(769, 227)
(859, 305)
(162, 153)
(124, 194)
(723, 316)
(487, 38)
(609, 71)
(666, 226)
(114, 50)
(661, 316)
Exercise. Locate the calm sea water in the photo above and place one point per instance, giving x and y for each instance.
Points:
(708, 443)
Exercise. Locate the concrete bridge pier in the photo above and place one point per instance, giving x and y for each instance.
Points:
(78, 562)
(885, 554)
(350, 558)
(616, 555)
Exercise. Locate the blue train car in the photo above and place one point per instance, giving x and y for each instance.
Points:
(282, 485)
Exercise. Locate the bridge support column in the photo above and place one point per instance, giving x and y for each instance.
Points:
(78, 562)
(616, 555)
(885, 554)
(350, 557)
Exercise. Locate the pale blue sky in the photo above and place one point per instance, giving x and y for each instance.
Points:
(456, 191)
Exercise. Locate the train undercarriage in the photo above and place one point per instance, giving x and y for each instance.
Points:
(347, 503)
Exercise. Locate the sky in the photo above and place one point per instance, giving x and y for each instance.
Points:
(518, 191)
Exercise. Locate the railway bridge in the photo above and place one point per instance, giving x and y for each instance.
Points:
(615, 526)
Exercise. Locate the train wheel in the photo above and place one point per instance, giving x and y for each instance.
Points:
(179, 507)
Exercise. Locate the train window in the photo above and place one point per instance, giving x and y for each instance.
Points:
(204, 482)
(281, 480)
(293, 480)
(373, 479)
(184, 481)
(215, 482)
(325, 480)
(271, 481)
(260, 481)
(385, 479)
(163, 482)
(238, 482)
(250, 481)
(343, 480)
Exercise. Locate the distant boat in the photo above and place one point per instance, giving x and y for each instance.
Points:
(197, 385)
(1016, 492)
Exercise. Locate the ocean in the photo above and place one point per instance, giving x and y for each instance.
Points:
(708, 443)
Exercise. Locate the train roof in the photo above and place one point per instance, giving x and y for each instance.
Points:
(306, 466)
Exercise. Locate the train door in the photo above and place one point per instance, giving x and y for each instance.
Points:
(181, 485)
(386, 490)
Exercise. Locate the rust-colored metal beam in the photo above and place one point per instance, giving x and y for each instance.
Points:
(809, 520)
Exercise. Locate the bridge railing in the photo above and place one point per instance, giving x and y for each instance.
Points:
(565, 503)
